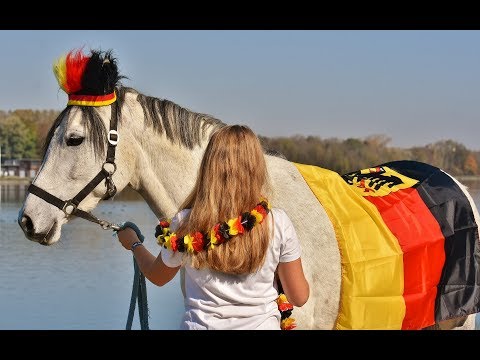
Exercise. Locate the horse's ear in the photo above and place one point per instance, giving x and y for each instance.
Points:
(111, 74)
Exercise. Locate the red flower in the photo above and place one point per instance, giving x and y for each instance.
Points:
(174, 242)
(288, 324)
(239, 226)
(235, 226)
(164, 224)
(197, 242)
(283, 304)
(261, 210)
(218, 236)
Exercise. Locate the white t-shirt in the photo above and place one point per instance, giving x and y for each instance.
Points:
(216, 300)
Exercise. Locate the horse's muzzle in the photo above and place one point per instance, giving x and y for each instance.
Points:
(26, 224)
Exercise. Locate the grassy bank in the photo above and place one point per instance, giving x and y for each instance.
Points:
(14, 180)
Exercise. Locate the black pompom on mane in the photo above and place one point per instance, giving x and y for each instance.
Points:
(101, 74)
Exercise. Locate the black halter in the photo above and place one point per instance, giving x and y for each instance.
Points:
(70, 207)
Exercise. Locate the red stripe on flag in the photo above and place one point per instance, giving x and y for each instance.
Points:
(422, 242)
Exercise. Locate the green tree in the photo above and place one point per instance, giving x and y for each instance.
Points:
(38, 122)
(16, 139)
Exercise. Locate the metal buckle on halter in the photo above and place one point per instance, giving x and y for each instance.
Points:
(69, 207)
(111, 188)
(110, 173)
(109, 137)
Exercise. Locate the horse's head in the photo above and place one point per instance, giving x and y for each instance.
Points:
(82, 163)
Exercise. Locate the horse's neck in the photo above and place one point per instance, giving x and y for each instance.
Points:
(166, 178)
(164, 172)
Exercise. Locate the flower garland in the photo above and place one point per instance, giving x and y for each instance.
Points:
(219, 234)
(285, 308)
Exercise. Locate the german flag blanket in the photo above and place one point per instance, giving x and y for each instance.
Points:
(408, 241)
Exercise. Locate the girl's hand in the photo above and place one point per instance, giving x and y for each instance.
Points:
(127, 237)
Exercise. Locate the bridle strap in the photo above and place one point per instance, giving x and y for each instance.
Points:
(88, 188)
(35, 190)
(103, 174)
(112, 135)
(53, 200)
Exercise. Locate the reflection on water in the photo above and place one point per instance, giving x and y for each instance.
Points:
(85, 280)
(12, 193)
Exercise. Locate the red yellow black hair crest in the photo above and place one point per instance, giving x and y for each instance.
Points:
(88, 80)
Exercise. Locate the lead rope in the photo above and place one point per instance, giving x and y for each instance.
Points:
(139, 288)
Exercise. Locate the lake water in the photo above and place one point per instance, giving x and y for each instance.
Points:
(85, 280)
(82, 282)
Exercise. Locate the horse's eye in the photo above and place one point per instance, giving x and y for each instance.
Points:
(74, 141)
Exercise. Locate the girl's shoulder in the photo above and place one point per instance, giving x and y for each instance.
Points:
(278, 212)
(279, 216)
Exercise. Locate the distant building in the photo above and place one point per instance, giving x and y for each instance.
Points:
(27, 168)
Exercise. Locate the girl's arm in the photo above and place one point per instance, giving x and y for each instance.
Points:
(152, 267)
(294, 283)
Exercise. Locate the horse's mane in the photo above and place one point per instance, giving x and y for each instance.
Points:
(180, 125)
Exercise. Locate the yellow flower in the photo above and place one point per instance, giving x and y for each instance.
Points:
(168, 243)
(282, 299)
(188, 240)
(233, 229)
(257, 215)
(213, 239)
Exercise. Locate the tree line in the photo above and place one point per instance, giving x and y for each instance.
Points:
(22, 133)
(352, 154)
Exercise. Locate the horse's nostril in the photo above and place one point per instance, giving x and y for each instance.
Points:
(27, 225)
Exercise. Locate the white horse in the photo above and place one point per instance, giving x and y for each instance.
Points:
(158, 153)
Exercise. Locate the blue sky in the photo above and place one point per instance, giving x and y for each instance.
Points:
(416, 87)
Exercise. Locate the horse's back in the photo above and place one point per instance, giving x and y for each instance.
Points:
(444, 200)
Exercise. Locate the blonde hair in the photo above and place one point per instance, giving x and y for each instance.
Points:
(232, 179)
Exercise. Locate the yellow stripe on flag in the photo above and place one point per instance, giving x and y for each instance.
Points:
(372, 260)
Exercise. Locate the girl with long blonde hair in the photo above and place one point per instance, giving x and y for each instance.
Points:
(231, 242)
